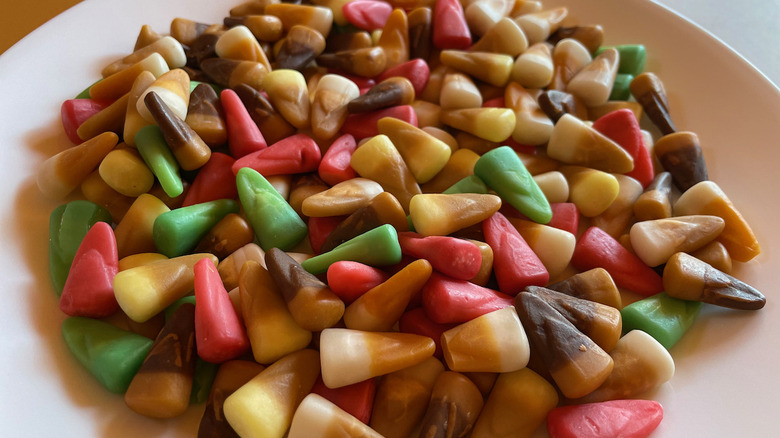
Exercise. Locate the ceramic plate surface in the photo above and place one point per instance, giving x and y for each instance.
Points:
(726, 383)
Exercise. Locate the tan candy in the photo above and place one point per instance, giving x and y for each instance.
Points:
(134, 232)
(62, 173)
(517, 405)
(569, 57)
(538, 26)
(230, 267)
(553, 246)
(288, 92)
(655, 202)
(532, 125)
(491, 124)
(442, 214)
(173, 88)
(315, 17)
(133, 119)
(708, 198)
(616, 219)
(120, 83)
(593, 191)
(493, 68)
(482, 15)
(459, 166)
(227, 236)
(594, 284)
(574, 142)
(395, 38)
(681, 155)
(187, 31)
(715, 255)
(656, 240)
(300, 46)
(593, 83)
(424, 155)
(342, 199)
(351, 356)
(109, 119)
(96, 190)
(454, 407)
(534, 67)
(505, 36)
(125, 171)
(554, 186)
(459, 91)
(167, 46)
(231, 73)
(146, 36)
(494, 342)
(329, 104)
(272, 331)
(591, 36)
(367, 62)
(240, 44)
(264, 27)
(378, 159)
(649, 91)
(317, 416)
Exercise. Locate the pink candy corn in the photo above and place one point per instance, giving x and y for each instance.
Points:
(514, 263)
(74, 112)
(565, 217)
(456, 258)
(362, 125)
(417, 322)
(244, 137)
(89, 289)
(368, 15)
(450, 30)
(447, 300)
(334, 166)
(295, 154)
(416, 70)
(357, 398)
(215, 180)
(622, 127)
(219, 335)
(597, 249)
(349, 280)
(320, 228)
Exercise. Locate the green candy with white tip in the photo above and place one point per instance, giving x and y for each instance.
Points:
(177, 232)
(502, 171)
(664, 318)
(158, 156)
(111, 354)
(68, 224)
(376, 247)
(620, 90)
(275, 222)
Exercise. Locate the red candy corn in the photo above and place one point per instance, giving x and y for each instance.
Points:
(597, 249)
(565, 216)
(320, 228)
(417, 322)
(357, 399)
(215, 180)
(514, 262)
(623, 418)
(450, 30)
(447, 300)
(89, 288)
(219, 334)
(453, 257)
(368, 15)
(295, 154)
(362, 125)
(74, 112)
(334, 166)
(416, 70)
(622, 127)
(244, 137)
(349, 280)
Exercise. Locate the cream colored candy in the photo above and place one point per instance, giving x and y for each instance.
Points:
(329, 104)
(593, 84)
(173, 87)
(493, 68)
(167, 47)
(491, 124)
(317, 417)
(538, 26)
(120, 83)
(378, 159)
(288, 92)
(532, 125)
(534, 67)
(554, 186)
(553, 246)
(574, 142)
(505, 36)
(569, 57)
(240, 44)
(62, 173)
(656, 240)
(438, 214)
(459, 91)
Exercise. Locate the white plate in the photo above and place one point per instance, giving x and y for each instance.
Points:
(726, 382)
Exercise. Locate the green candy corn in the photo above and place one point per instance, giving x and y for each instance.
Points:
(469, 184)
(376, 247)
(620, 90)
(662, 317)
(274, 221)
(111, 354)
(177, 232)
(158, 156)
(502, 171)
(68, 224)
(632, 58)
(205, 373)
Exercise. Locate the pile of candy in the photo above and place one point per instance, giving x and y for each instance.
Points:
(403, 218)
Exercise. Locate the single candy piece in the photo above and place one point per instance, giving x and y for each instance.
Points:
(364, 62)
(329, 101)
(641, 364)
(378, 159)
(110, 354)
(439, 214)
(493, 68)
(534, 67)
(688, 278)
(708, 198)
(574, 142)
(503, 171)
(649, 91)
(146, 290)
(515, 265)
(351, 356)
(402, 398)
(420, 33)
(592, 191)
(289, 94)
(272, 331)
(367, 14)
(454, 407)
(178, 231)
(190, 150)
(276, 224)
(456, 258)
(335, 164)
(63, 172)
(298, 48)
(593, 84)
(395, 38)
(312, 304)
(230, 376)
(219, 333)
(162, 386)
(459, 91)
(68, 225)
(266, 28)
(264, 406)
(622, 127)
(173, 88)
(494, 342)
(349, 280)
(665, 318)
(88, 290)
(424, 155)
(215, 180)
(680, 154)
(492, 124)
(244, 137)
(159, 158)
(342, 199)
(450, 30)
(316, 17)
(716, 255)
(554, 186)
(125, 171)
(356, 399)
(393, 91)
(240, 44)
(594, 285)
(569, 57)
(518, 404)
(566, 217)
(447, 300)
(167, 46)
(576, 363)
(539, 25)
(134, 233)
(377, 247)
(379, 308)
(625, 418)
(295, 154)
(655, 202)
(316, 416)
(655, 241)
